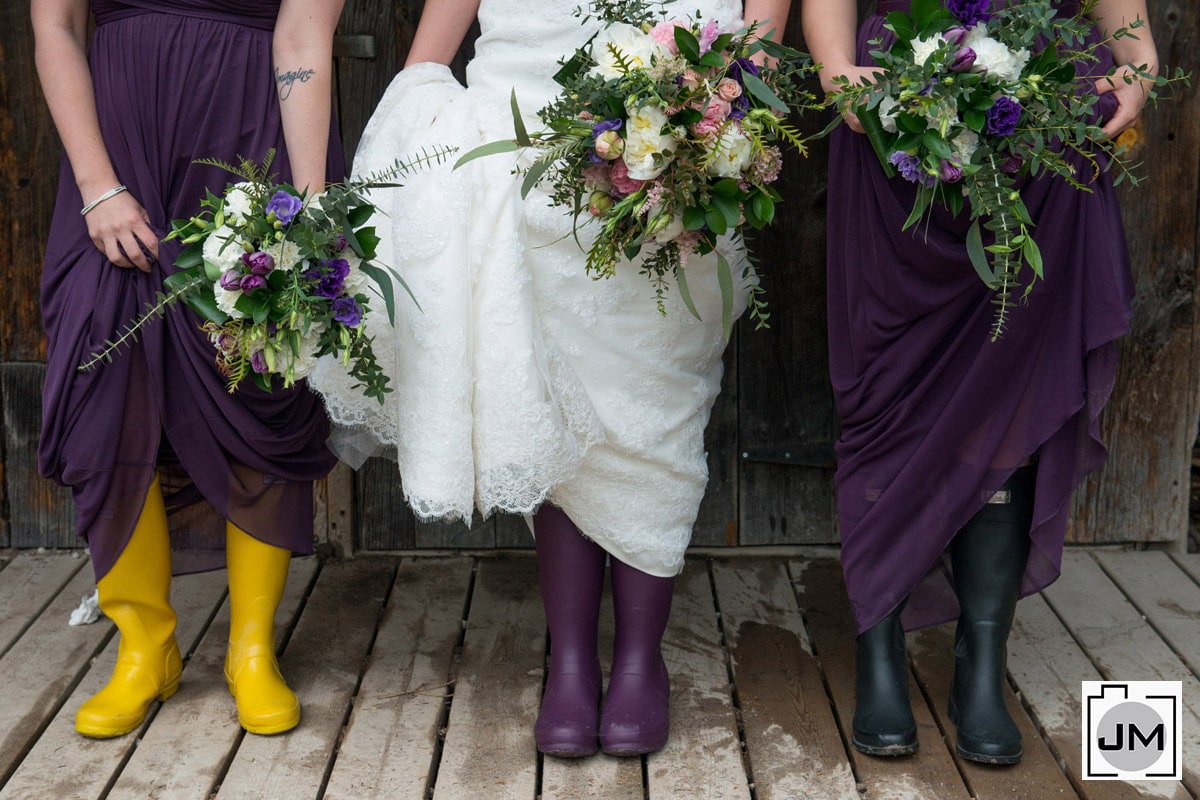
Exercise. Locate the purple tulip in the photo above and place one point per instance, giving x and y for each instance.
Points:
(1003, 116)
(964, 59)
(258, 362)
(970, 12)
(285, 205)
(231, 280)
(259, 263)
(910, 168)
(250, 283)
(950, 171)
(347, 311)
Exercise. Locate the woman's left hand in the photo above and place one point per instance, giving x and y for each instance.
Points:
(1131, 93)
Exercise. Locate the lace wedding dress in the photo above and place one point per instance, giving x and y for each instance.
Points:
(521, 379)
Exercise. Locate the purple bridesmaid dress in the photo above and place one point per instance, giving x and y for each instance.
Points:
(174, 82)
(934, 415)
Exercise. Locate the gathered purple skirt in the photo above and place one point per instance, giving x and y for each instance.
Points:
(935, 416)
(174, 82)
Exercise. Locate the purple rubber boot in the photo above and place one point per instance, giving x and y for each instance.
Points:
(571, 574)
(636, 717)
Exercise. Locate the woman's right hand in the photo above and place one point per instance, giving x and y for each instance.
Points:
(120, 228)
(857, 76)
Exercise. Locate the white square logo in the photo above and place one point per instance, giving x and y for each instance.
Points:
(1132, 730)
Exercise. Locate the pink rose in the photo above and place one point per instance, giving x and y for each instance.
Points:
(621, 180)
(729, 90)
(664, 34)
(707, 127)
(690, 79)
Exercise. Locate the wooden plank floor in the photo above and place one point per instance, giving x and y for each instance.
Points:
(420, 678)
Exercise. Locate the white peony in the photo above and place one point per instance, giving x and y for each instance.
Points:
(993, 58)
(223, 249)
(924, 48)
(644, 139)
(965, 145)
(637, 49)
(734, 153)
(887, 109)
(226, 299)
(238, 203)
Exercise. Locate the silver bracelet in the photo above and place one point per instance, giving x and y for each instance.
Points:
(113, 192)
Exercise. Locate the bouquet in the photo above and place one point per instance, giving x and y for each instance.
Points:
(281, 278)
(973, 99)
(668, 135)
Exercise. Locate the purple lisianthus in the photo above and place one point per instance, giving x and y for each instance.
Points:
(741, 65)
(1002, 117)
(258, 362)
(910, 168)
(347, 311)
(231, 280)
(341, 243)
(285, 205)
(739, 107)
(950, 171)
(970, 12)
(250, 283)
(607, 125)
(964, 59)
(258, 262)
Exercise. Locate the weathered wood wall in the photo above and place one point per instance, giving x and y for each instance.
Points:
(770, 439)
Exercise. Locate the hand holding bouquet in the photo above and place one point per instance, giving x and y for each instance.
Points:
(667, 134)
(969, 100)
(281, 278)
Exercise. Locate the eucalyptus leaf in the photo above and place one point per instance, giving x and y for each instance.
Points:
(685, 293)
(489, 149)
(977, 255)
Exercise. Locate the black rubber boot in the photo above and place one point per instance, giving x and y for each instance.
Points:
(883, 719)
(988, 556)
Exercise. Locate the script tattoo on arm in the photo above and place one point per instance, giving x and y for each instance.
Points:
(288, 80)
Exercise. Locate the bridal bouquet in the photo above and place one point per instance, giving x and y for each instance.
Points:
(970, 100)
(281, 278)
(668, 135)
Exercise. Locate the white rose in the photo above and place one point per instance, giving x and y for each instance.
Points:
(223, 249)
(637, 49)
(924, 48)
(965, 145)
(993, 58)
(887, 113)
(644, 139)
(226, 299)
(734, 154)
(238, 203)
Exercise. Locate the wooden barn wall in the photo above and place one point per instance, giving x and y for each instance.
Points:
(771, 434)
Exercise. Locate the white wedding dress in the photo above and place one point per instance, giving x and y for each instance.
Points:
(522, 379)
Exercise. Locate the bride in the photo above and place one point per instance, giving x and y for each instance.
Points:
(525, 386)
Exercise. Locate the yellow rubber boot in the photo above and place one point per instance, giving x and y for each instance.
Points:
(257, 575)
(136, 596)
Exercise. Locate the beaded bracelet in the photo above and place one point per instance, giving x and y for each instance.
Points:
(113, 192)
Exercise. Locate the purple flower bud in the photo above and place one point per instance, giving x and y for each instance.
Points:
(258, 262)
(251, 282)
(347, 311)
(258, 362)
(231, 280)
(285, 205)
(950, 171)
(1003, 116)
(1012, 164)
(964, 59)
(955, 36)
(342, 244)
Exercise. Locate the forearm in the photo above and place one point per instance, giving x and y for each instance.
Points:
(61, 60)
(1111, 15)
(443, 25)
(772, 14)
(829, 32)
(303, 61)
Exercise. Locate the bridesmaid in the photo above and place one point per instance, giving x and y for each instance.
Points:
(951, 442)
(161, 85)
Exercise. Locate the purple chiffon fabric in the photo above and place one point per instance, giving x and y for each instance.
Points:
(934, 415)
(174, 82)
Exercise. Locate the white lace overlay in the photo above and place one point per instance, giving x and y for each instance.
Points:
(521, 379)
